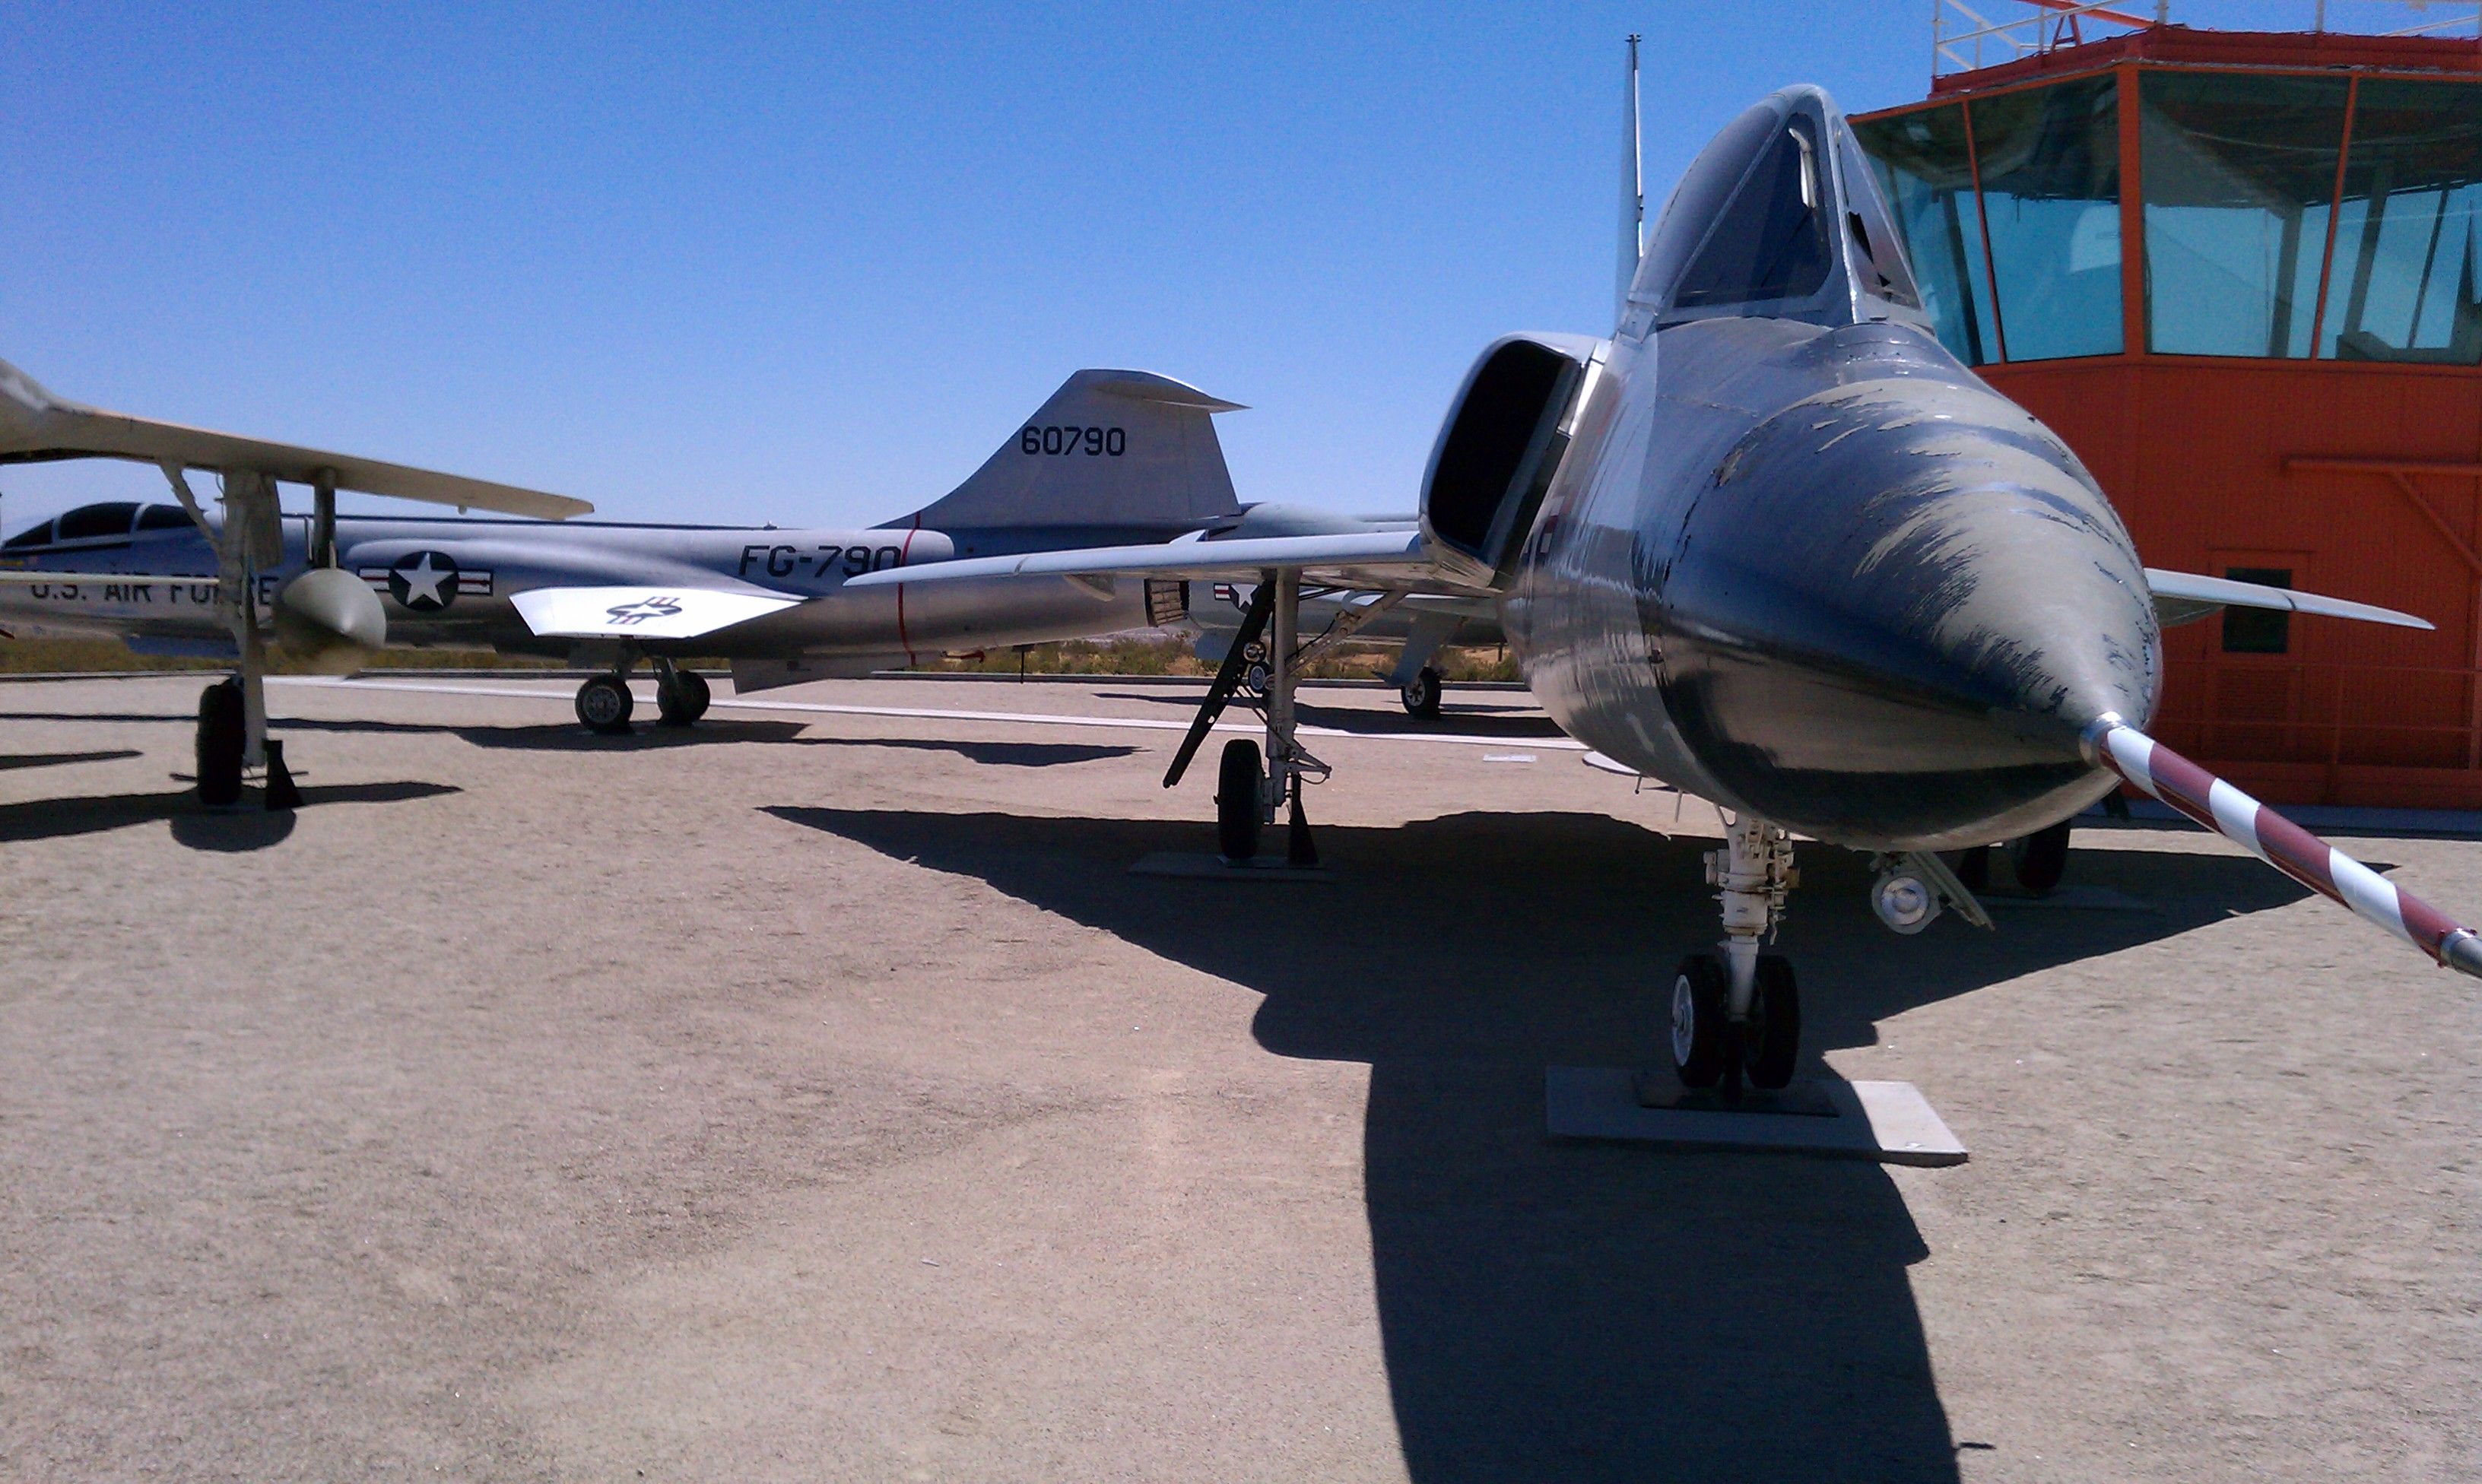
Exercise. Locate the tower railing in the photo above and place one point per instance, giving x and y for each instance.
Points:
(1966, 37)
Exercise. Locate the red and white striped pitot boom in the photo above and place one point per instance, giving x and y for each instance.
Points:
(2114, 745)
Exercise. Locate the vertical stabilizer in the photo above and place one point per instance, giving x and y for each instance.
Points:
(1111, 448)
(1632, 243)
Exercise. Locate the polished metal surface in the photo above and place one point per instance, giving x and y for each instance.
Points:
(1810, 566)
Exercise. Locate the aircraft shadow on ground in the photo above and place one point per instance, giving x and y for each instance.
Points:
(16, 761)
(1369, 722)
(1569, 1310)
(247, 828)
(570, 736)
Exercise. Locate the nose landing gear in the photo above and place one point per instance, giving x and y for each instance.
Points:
(1740, 1014)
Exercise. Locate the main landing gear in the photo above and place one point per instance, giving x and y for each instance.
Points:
(232, 712)
(1250, 786)
(1740, 1014)
(605, 704)
(681, 697)
(1421, 695)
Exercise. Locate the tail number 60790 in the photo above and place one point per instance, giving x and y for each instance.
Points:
(1095, 442)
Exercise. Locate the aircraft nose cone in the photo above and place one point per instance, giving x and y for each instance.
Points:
(1893, 611)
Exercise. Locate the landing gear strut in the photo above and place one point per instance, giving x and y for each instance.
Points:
(232, 713)
(1739, 1013)
(1247, 792)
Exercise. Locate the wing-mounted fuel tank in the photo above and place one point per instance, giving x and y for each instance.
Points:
(1502, 442)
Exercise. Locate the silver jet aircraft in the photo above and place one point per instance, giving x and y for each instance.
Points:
(1112, 457)
(1771, 543)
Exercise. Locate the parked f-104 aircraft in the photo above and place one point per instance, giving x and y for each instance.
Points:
(1112, 457)
(1771, 543)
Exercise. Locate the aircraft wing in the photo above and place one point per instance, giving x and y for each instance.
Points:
(37, 427)
(1388, 559)
(643, 612)
(2186, 597)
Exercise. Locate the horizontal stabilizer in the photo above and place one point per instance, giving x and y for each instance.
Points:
(37, 427)
(641, 612)
(2186, 597)
(1356, 551)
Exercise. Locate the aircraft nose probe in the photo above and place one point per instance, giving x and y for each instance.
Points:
(2111, 744)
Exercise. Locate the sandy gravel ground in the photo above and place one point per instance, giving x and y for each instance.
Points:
(816, 1096)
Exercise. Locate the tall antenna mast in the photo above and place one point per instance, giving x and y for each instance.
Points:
(1632, 242)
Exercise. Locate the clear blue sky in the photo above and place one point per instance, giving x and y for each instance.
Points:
(723, 263)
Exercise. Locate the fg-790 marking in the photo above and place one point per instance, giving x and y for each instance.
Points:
(1093, 442)
(786, 560)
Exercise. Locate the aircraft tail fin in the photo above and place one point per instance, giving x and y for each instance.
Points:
(1110, 448)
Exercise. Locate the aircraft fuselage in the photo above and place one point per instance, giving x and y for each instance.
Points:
(447, 583)
(1825, 575)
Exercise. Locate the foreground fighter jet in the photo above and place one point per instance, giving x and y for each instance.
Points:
(1113, 456)
(1770, 544)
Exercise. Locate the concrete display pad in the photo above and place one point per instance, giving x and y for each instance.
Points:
(1890, 1122)
(1203, 866)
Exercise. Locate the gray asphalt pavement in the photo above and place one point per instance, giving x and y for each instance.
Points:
(815, 1095)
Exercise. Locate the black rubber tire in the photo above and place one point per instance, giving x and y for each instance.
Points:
(682, 702)
(604, 704)
(222, 741)
(1237, 801)
(1973, 867)
(2041, 859)
(1771, 1042)
(1421, 695)
(1699, 993)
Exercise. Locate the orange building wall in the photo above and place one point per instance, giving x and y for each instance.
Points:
(2194, 454)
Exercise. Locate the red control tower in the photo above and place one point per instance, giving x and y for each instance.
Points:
(2241, 274)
